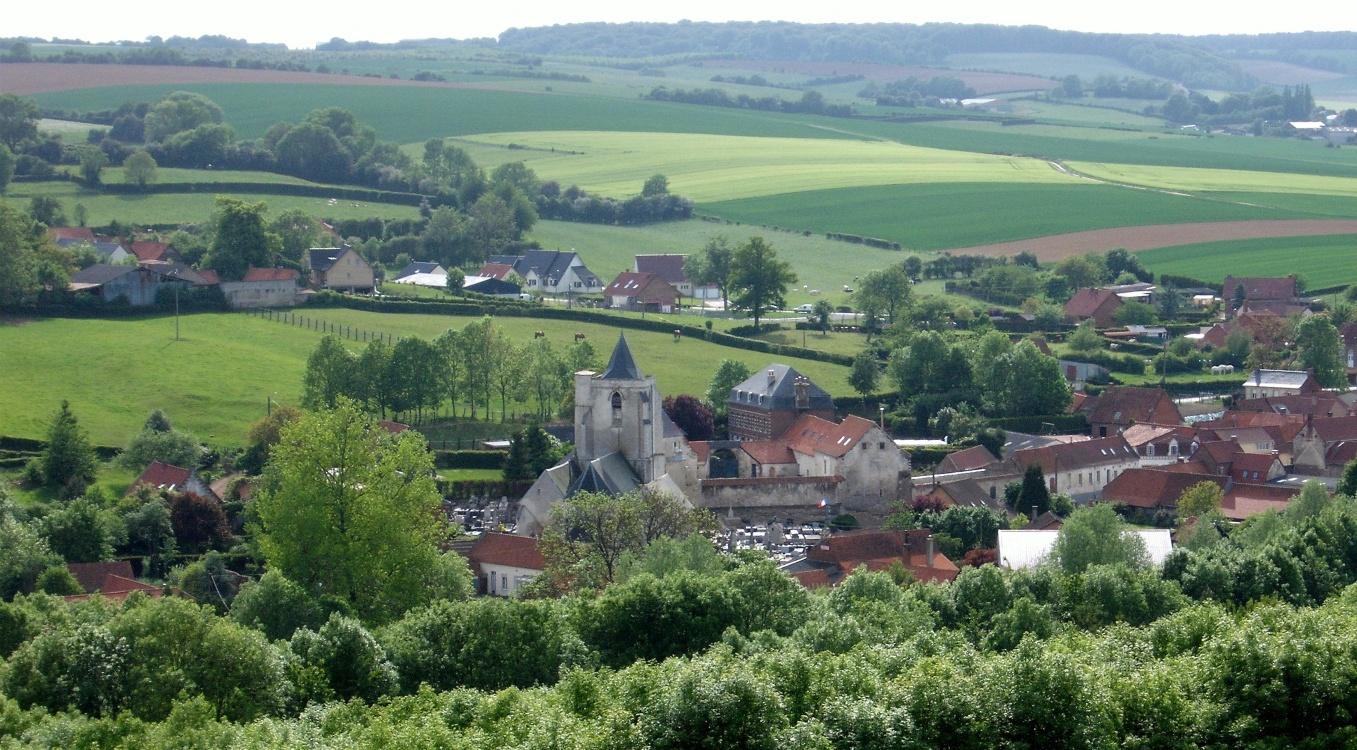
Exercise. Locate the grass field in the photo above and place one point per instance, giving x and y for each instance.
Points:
(1323, 261)
(177, 208)
(935, 217)
(406, 114)
(819, 263)
(714, 168)
(1187, 179)
(168, 175)
(1049, 65)
(216, 380)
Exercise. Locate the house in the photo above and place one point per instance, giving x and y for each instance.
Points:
(1256, 468)
(420, 266)
(967, 459)
(147, 251)
(641, 291)
(1079, 469)
(64, 236)
(766, 404)
(340, 269)
(1028, 548)
(491, 286)
(1156, 488)
(1252, 294)
(1313, 404)
(262, 287)
(1325, 445)
(966, 493)
(496, 270)
(836, 557)
(112, 580)
(1161, 444)
(1097, 305)
(670, 268)
(503, 563)
(1077, 374)
(169, 478)
(1119, 407)
(134, 285)
(1269, 383)
(552, 272)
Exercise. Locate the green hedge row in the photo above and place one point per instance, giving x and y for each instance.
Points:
(30, 445)
(583, 316)
(469, 459)
(1063, 423)
(270, 188)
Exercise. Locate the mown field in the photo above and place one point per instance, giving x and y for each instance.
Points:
(937, 216)
(1322, 261)
(711, 168)
(187, 208)
(406, 114)
(217, 379)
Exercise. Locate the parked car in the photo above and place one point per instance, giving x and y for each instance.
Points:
(806, 308)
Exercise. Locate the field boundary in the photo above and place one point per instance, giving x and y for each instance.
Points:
(1154, 236)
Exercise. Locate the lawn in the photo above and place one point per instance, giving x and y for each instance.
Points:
(218, 378)
(939, 216)
(180, 208)
(818, 262)
(711, 168)
(1322, 261)
(405, 114)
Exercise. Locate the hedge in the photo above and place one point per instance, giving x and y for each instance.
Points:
(1132, 364)
(469, 459)
(18, 444)
(1063, 423)
(930, 456)
(271, 188)
(438, 307)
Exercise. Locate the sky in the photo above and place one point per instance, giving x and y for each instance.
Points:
(304, 24)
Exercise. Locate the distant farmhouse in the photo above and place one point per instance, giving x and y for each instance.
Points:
(339, 269)
(549, 272)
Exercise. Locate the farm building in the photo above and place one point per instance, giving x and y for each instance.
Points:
(1097, 305)
(491, 286)
(262, 287)
(340, 269)
(1119, 407)
(136, 285)
(1268, 383)
(641, 291)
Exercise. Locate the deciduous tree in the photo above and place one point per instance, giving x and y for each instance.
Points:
(139, 168)
(760, 280)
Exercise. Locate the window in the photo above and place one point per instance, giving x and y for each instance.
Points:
(504, 583)
(617, 407)
(1149, 450)
(881, 446)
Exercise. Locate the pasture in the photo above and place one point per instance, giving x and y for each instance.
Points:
(710, 168)
(941, 216)
(1323, 261)
(188, 208)
(1196, 180)
(216, 380)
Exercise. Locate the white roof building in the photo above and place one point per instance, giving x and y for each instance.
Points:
(1021, 548)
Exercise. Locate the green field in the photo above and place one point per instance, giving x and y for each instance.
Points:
(168, 175)
(216, 380)
(714, 168)
(1050, 65)
(1189, 179)
(820, 263)
(1323, 261)
(405, 114)
(188, 208)
(935, 217)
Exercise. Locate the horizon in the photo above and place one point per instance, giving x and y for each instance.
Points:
(94, 24)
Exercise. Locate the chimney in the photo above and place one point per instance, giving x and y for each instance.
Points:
(928, 556)
(772, 377)
(802, 394)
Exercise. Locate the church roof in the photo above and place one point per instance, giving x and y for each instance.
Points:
(621, 366)
(610, 474)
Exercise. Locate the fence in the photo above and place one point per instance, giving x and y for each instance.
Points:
(293, 318)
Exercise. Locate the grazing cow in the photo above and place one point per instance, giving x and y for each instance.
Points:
(579, 337)
(539, 335)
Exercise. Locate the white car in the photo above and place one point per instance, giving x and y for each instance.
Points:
(806, 308)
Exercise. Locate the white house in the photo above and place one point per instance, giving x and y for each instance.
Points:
(552, 272)
(503, 563)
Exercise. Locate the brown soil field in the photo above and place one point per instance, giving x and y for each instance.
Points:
(983, 83)
(37, 78)
(1149, 237)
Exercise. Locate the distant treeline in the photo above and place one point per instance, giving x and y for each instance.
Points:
(811, 102)
(1175, 58)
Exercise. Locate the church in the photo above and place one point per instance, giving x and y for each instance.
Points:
(787, 453)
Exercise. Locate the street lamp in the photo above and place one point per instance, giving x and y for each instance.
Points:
(881, 416)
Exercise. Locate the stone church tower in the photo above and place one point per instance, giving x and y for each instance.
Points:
(619, 411)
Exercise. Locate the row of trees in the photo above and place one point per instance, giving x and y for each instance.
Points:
(468, 367)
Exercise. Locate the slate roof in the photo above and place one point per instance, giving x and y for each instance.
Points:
(507, 549)
(321, 258)
(100, 274)
(1260, 288)
(419, 266)
(778, 392)
(1296, 380)
(621, 365)
(490, 285)
(1069, 456)
(610, 474)
(667, 267)
(550, 265)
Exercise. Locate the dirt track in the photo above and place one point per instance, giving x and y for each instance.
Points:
(1149, 237)
(37, 78)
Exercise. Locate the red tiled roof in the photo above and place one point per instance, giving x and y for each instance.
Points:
(91, 575)
(768, 451)
(270, 274)
(395, 428)
(812, 579)
(495, 270)
(71, 233)
(145, 250)
(1244, 500)
(1313, 404)
(509, 550)
(209, 276)
(1273, 307)
(1333, 429)
(1341, 453)
(811, 434)
(644, 287)
(974, 457)
(880, 549)
(1121, 404)
(701, 449)
(1153, 488)
(161, 476)
(1252, 467)
(1260, 288)
(1087, 302)
(1067, 456)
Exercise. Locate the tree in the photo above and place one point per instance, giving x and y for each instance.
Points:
(1084, 339)
(297, 232)
(508, 365)
(729, 373)
(18, 120)
(150, 532)
(199, 522)
(6, 166)
(1169, 302)
(1134, 313)
(82, 531)
(178, 112)
(714, 265)
(588, 534)
(456, 278)
(139, 168)
(58, 581)
(350, 511)
(160, 442)
(24, 553)
(691, 415)
(446, 237)
(1035, 496)
(1025, 382)
(655, 185)
(1348, 484)
(759, 282)
(864, 374)
(1096, 535)
(239, 238)
(530, 453)
(46, 209)
(92, 163)
(821, 313)
(330, 373)
(352, 662)
(1321, 349)
(1198, 500)
(68, 462)
(313, 151)
(887, 290)
(276, 606)
(493, 226)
